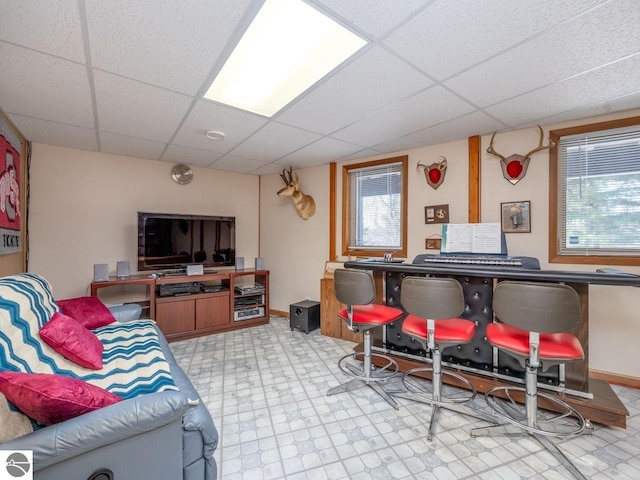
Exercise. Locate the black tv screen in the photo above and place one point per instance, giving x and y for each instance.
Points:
(173, 241)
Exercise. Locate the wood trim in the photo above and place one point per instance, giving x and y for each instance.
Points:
(345, 206)
(616, 379)
(474, 179)
(554, 256)
(332, 211)
(280, 313)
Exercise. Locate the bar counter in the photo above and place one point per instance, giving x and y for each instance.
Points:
(479, 361)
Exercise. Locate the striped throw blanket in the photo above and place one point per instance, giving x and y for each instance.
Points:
(133, 362)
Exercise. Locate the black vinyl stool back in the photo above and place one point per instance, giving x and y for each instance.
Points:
(354, 287)
(537, 307)
(432, 297)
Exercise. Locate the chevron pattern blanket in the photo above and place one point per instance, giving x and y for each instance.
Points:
(133, 362)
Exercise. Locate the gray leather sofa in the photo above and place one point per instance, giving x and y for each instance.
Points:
(165, 435)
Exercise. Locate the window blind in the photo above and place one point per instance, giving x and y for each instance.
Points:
(375, 207)
(599, 193)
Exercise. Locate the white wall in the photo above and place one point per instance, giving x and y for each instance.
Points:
(294, 249)
(83, 210)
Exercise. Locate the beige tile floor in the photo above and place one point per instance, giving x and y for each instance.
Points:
(266, 389)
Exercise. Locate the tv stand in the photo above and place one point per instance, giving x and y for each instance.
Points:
(206, 312)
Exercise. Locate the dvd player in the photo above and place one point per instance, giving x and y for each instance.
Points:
(249, 289)
(185, 288)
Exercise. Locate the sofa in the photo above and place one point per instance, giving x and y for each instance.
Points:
(154, 424)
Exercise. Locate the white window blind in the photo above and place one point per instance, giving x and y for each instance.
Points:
(375, 207)
(599, 193)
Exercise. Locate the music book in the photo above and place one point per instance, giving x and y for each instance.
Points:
(480, 238)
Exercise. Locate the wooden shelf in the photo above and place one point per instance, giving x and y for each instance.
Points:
(186, 316)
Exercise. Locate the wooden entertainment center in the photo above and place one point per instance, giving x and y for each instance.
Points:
(219, 307)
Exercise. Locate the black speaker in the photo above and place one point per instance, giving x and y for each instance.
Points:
(304, 315)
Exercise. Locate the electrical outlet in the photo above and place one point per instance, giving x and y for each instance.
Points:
(432, 243)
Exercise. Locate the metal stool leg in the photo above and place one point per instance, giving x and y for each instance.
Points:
(436, 399)
(367, 374)
(528, 422)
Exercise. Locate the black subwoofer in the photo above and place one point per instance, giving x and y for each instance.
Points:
(304, 315)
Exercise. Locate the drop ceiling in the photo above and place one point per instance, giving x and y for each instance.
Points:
(127, 77)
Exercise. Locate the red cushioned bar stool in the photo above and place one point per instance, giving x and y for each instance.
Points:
(356, 289)
(434, 305)
(535, 325)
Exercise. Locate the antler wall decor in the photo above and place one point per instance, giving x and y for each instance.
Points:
(434, 173)
(305, 205)
(514, 168)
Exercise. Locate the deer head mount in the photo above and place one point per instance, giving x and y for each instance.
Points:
(305, 205)
(514, 168)
(434, 173)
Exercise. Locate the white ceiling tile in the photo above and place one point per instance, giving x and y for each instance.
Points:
(130, 146)
(321, 152)
(365, 153)
(346, 97)
(269, 169)
(167, 43)
(605, 35)
(273, 141)
(449, 37)
(54, 133)
(137, 109)
(476, 123)
(375, 17)
(422, 110)
(63, 97)
(37, 25)
(609, 82)
(205, 115)
(189, 156)
(237, 164)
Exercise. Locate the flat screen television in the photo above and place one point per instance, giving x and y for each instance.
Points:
(173, 241)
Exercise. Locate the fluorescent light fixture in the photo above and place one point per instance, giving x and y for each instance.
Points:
(287, 48)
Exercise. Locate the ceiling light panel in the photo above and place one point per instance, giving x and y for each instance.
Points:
(287, 48)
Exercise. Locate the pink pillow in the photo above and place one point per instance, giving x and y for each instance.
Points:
(50, 398)
(73, 341)
(89, 311)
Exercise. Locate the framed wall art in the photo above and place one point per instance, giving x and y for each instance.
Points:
(436, 214)
(516, 217)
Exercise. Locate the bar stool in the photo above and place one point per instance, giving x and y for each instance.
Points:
(356, 289)
(535, 324)
(434, 305)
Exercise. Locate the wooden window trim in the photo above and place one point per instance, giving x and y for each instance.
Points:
(345, 206)
(554, 256)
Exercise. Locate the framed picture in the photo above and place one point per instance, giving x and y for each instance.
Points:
(516, 217)
(436, 214)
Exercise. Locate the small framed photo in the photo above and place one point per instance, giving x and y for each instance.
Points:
(516, 217)
(436, 214)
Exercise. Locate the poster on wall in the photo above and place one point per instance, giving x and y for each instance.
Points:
(10, 221)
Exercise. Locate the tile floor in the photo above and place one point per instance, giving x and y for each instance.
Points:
(266, 389)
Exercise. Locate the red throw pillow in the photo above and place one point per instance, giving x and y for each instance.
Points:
(89, 311)
(50, 398)
(74, 342)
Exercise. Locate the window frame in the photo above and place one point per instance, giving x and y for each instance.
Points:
(346, 207)
(554, 234)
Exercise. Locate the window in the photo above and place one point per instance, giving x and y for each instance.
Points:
(595, 194)
(374, 208)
